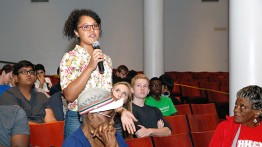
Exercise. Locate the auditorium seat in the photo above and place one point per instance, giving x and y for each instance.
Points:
(176, 89)
(202, 139)
(177, 140)
(178, 124)
(136, 142)
(203, 108)
(202, 122)
(47, 134)
(191, 92)
(183, 109)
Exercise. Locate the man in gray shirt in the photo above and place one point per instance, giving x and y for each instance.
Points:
(14, 129)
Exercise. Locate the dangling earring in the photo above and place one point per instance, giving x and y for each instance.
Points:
(255, 121)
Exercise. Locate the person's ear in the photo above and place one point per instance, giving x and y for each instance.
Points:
(132, 90)
(258, 113)
(76, 33)
(3, 72)
(15, 78)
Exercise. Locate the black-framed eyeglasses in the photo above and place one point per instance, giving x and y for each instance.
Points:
(25, 72)
(86, 27)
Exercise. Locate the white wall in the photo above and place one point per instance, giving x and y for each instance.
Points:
(196, 35)
(33, 31)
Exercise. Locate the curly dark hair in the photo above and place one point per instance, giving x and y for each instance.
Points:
(253, 93)
(73, 19)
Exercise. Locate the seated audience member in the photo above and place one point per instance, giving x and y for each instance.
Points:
(167, 87)
(121, 73)
(244, 128)
(121, 90)
(130, 75)
(35, 104)
(57, 105)
(14, 129)
(6, 76)
(150, 119)
(57, 101)
(57, 87)
(163, 103)
(96, 107)
(42, 82)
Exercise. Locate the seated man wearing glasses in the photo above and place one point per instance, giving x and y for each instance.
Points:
(96, 107)
(35, 104)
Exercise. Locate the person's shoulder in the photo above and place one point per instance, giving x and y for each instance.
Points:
(10, 108)
(17, 114)
(4, 86)
(72, 141)
(11, 92)
(107, 58)
(150, 107)
(149, 99)
(38, 93)
(12, 89)
(229, 121)
(40, 96)
(77, 139)
(72, 53)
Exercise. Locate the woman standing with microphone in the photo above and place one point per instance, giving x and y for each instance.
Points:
(78, 67)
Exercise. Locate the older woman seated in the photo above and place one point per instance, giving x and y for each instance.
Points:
(242, 129)
(96, 108)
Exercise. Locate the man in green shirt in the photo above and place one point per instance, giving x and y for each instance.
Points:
(164, 104)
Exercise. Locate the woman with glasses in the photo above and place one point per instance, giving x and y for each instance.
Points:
(96, 107)
(78, 67)
(244, 128)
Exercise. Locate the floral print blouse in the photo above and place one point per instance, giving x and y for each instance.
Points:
(72, 65)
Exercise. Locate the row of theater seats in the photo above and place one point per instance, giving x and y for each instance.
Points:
(203, 87)
(188, 129)
(188, 75)
(194, 123)
(177, 140)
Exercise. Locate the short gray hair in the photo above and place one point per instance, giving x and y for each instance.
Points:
(253, 93)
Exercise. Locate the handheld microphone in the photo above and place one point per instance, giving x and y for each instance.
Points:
(100, 65)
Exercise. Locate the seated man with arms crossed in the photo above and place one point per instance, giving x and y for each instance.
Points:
(150, 119)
